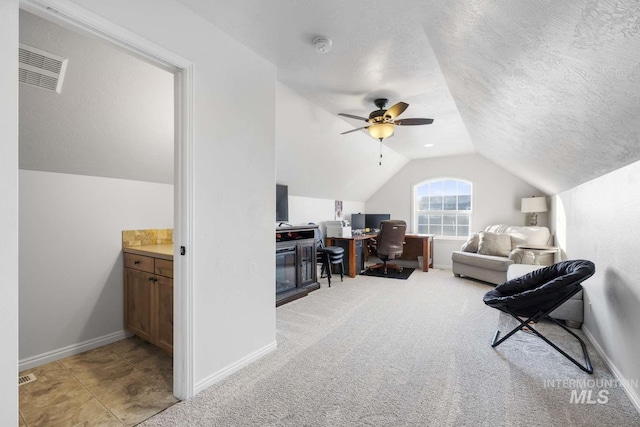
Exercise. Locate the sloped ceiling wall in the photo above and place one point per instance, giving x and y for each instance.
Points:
(314, 162)
(547, 89)
(113, 118)
(550, 90)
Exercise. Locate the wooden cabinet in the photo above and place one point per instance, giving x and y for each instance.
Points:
(296, 265)
(163, 316)
(308, 263)
(148, 299)
(138, 299)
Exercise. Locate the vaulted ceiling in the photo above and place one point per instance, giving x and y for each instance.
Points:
(547, 89)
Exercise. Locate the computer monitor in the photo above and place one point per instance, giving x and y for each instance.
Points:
(374, 220)
(357, 221)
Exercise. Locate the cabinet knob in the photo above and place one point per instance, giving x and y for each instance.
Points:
(136, 262)
(152, 279)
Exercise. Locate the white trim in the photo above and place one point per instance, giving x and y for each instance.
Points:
(68, 14)
(414, 186)
(452, 238)
(183, 236)
(631, 394)
(234, 367)
(61, 353)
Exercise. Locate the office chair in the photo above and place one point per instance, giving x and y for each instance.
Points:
(328, 256)
(536, 294)
(389, 243)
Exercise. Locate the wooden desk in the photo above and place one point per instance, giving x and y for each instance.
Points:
(415, 245)
(419, 245)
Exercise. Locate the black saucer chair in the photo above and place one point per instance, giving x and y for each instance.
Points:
(536, 294)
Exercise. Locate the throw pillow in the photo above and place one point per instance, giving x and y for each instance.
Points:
(498, 244)
(471, 245)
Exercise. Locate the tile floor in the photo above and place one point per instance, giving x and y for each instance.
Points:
(123, 383)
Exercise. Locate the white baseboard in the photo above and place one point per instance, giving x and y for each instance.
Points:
(51, 356)
(234, 367)
(631, 394)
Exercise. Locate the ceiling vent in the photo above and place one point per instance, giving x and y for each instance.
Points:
(40, 69)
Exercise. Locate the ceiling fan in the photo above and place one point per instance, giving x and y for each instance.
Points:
(382, 122)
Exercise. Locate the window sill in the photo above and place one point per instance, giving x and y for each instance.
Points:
(451, 238)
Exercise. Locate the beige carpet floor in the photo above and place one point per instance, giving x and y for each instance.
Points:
(382, 352)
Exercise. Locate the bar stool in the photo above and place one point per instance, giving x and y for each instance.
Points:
(328, 256)
(331, 255)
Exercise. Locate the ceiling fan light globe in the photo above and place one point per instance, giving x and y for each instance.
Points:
(381, 130)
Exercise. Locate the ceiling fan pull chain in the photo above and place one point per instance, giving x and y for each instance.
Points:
(380, 162)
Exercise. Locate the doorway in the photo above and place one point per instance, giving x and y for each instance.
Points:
(84, 23)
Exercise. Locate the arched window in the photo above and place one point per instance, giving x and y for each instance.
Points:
(442, 207)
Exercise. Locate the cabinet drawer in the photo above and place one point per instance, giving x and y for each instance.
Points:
(138, 262)
(164, 267)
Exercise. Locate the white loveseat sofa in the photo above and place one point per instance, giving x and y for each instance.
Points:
(488, 254)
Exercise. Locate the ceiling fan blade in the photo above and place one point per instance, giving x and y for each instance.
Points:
(351, 116)
(413, 122)
(395, 110)
(353, 130)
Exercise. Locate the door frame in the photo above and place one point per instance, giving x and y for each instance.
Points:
(69, 15)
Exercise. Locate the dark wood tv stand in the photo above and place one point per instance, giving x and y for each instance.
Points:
(296, 267)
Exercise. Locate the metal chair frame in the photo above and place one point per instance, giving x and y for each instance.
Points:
(545, 315)
(326, 263)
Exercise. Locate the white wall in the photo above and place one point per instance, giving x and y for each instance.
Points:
(303, 210)
(307, 140)
(112, 118)
(496, 195)
(9, 211)
(233, 178)
(71, 257)
(598, 221)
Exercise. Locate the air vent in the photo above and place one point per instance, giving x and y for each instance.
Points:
(25, 379)
(40, 69)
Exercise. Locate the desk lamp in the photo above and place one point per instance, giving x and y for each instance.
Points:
(533, 205)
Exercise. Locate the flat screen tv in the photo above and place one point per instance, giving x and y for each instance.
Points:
(282, 202)
(357, 221)
(374, 220)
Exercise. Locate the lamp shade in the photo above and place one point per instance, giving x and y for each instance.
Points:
(381, 130)
(534, 204)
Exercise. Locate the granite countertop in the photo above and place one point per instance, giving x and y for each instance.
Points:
(163, 251)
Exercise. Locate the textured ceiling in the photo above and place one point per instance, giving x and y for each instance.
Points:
(113, 117)
(374, 55)
(548, 89)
